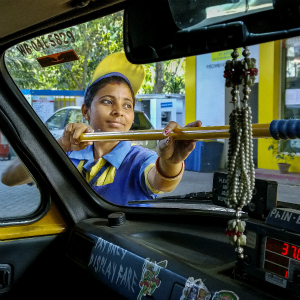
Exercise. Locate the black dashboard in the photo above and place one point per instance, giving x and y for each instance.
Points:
(171, 259)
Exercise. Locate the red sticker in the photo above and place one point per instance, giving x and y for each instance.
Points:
(57, 58)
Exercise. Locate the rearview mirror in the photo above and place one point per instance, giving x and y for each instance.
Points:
(167, 29)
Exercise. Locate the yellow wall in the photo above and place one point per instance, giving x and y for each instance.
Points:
(190, 89)
(268, 97)
(268, 101)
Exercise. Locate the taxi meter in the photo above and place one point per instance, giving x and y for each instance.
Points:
(272, 251)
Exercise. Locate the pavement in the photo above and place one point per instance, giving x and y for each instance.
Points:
(23, 200)
(19, 200)
(198, 181)
(288, 184)
(288, 179)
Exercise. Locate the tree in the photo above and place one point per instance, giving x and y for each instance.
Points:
(92, 41)
(174, 76)
(159, 82)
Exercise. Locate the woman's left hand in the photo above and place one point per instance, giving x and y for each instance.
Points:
(174, 151)
(169, 167)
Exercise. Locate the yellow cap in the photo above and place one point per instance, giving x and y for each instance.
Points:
(116, 64)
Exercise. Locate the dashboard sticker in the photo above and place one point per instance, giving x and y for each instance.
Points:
(284, 218)
(195, 289)
(149, 281)
(57, 58)
(272, 278)
(57, 39)
(225, 295)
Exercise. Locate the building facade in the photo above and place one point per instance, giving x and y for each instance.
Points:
(275, 94)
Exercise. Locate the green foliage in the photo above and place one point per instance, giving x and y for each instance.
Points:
(282, 151)
(94, 40)
(174, 76)
(149, 81)
(174, 85)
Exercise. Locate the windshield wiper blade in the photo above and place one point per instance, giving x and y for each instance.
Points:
(193, 196)
(187, 198)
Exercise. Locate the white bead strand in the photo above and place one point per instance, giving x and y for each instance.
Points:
(241, 171)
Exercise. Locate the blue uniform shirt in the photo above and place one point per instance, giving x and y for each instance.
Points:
(119, 176)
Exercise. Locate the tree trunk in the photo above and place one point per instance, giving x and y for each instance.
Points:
(80, 85)
(159, 78)
(84, 71)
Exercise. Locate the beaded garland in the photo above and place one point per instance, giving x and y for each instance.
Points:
(241, 171)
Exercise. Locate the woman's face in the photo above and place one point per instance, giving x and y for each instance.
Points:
(112, 108)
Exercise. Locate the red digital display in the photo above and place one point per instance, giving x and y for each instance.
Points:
(274, 268)
(291, 251)
(283, 248)
(278, 255)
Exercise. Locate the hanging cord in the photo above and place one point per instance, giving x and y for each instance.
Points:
(241, 171)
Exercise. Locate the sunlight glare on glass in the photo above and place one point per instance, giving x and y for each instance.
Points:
(238, 7)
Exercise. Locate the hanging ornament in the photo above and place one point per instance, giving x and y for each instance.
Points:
(241, 171)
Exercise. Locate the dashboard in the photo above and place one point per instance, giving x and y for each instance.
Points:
(166, 258)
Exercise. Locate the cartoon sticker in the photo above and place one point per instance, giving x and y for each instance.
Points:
(149, 281)
(225, 295)
(195, 290)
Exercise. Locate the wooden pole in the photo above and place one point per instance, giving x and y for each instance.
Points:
(186, 133)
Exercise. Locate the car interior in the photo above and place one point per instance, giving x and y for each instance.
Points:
(68, 242)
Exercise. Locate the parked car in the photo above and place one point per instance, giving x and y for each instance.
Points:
(61, 240)
(72, 114)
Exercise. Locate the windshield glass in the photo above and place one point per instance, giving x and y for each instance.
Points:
(52, 71)
(20, 201)
(205, 13)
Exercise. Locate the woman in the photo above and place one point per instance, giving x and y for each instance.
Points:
(119, 171)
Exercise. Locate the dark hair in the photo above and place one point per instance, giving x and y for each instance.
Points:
(92, 91)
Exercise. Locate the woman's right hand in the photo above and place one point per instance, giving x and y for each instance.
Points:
(70, 140)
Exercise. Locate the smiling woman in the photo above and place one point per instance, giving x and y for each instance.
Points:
(117, 170)
(110, 93)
